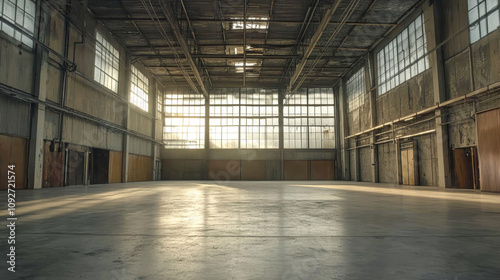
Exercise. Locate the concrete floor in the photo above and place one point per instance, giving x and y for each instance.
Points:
(254, 230)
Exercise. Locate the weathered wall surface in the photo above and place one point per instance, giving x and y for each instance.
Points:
(467, 68)
(99, 117)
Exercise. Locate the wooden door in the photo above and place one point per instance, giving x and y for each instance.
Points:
(463, 177)
(409, 164)
(488, 147)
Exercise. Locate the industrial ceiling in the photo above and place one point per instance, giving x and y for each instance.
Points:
(235, 43)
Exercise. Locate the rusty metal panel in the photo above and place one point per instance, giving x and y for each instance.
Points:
(18, 157)
(13, 152)
(253, 170)
(462, 169)
(53, 166)
(115, 167)
(296, 170)
(488, 127)
(4, 160)
(224, 170)
(322, 170)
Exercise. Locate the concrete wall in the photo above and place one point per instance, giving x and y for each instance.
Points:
(95, 117)
(466, 68)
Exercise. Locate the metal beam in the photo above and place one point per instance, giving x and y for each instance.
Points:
(178, 34)
(139, 19)
(238, 56)
(314, 40)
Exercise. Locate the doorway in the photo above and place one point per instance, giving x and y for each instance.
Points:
(465, 168)
(99, 166)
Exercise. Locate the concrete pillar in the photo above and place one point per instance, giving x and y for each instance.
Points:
(36, 144)
(207, 138)
(372, 97)
(433, 31)
(281, 132)
(344, 132)
(154, 146)
(126, 117)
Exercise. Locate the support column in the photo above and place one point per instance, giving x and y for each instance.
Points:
(281, 132)
(154, 146)
(372, 95)
(36, 144)
(207, 138)
(432, 28)
(126, 117)
(344, 132)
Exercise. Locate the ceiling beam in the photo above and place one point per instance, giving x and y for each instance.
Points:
(144, 19)
(236, 56)
(180, 39)
(314, 40)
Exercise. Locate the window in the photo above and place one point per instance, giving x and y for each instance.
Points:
(254, 23)
(403, 58)
(356, 90)
(309, 119)
(159, 104)
(184, 120)
(259, 118)
(139, 89)
(321, 121)
(295, 121)
(484, 17)
(106, 64)
(21, 13)
(224, 118)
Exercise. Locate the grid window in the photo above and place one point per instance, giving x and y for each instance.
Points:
(259, 119)
(159, 104)
(184, 120)
(224, 133)
(484, 17)
(224, 118)
(403, 58)
(106, 64)
(139, 89)
(309, 119)
(21, 13)
(321, 118)
(356, 91)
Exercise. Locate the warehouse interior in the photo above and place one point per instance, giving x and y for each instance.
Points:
(252, 139)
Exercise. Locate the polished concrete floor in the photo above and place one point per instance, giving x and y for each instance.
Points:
(254, 230)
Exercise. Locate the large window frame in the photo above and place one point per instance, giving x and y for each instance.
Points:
(484, 18)
(107, 63)
(22, 14)
(404, 57)
(356, 90)
(309, 119)
(139, 89)
(184, 124)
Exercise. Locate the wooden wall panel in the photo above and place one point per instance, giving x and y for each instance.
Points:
(224, 170)
(296, 170)
(182, 169)
(253, 170)
(13, 151)
(322, 170)
(140, 168)
(53, 166)
(115, 167)
(488, 126)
